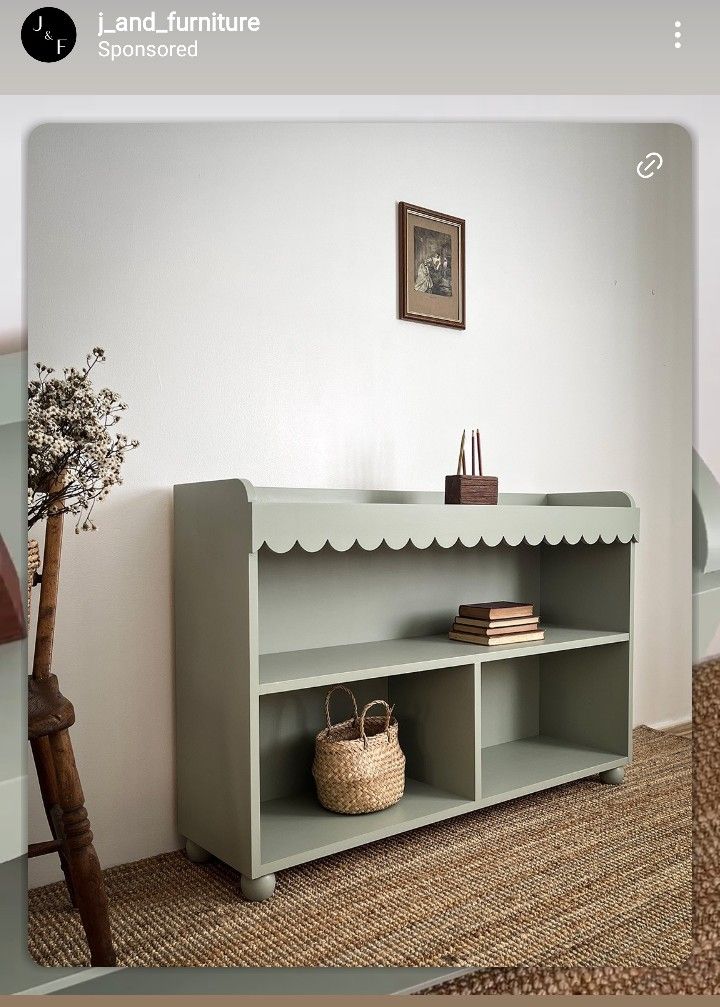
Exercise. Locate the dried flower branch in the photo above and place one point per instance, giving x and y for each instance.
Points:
(74, 457)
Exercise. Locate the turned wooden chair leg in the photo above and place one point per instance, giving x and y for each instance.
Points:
(50, 715)
(42, 756)
(82, 860)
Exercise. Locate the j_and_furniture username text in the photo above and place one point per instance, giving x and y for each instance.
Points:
(168, 24)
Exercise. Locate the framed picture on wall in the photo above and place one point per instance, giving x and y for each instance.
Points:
(432, 266)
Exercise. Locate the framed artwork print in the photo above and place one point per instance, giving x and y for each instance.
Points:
(432, 266)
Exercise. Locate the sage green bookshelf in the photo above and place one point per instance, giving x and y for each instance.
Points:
(281, 593)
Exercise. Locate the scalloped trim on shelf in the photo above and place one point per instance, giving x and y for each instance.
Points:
(616, 526)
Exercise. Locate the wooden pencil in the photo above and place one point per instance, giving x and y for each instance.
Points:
(460, 456)
(477, 437)
(472, 441)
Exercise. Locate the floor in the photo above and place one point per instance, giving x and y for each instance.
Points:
(609, 866)
(699, 974)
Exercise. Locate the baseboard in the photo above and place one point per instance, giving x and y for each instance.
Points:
(684, 728)
(673, 726)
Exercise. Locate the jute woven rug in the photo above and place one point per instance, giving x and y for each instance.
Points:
(584, 873)
(700, 974)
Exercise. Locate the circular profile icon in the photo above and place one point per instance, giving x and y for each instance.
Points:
(48, 34)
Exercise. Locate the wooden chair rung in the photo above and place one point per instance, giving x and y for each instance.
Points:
(47, 846)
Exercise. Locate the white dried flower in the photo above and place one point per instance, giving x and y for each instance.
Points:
(73, 458)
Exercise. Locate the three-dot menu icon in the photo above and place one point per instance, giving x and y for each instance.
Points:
(678, 34)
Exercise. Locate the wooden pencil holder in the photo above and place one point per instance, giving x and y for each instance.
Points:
(471, 489)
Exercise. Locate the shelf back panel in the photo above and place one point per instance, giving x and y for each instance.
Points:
(289, 722)
(587, 586)
(333, 598)
(585, 697)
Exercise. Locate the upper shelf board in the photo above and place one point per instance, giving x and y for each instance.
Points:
(313, 518)
(322, 666)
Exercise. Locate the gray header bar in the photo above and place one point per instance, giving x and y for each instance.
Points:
(377, 47)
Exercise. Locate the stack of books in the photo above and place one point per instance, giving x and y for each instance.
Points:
(497, 622)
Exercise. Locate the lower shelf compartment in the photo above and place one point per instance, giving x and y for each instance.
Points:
(297, 829)
(530, 764)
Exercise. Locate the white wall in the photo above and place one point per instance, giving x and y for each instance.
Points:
(242, 280)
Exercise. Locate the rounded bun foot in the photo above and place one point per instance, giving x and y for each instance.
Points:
(613, 776)
(196, 854)
(257, 889)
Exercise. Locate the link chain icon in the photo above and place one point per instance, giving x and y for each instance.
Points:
(650, 165)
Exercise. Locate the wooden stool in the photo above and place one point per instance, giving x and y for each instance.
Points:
(50, 715)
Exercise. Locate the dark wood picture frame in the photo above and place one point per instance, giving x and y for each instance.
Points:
(407, 269)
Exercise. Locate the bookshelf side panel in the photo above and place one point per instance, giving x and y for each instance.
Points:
(215, 596)
(631, 648)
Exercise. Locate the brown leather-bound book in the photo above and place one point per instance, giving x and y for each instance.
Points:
(492, 641)
(496, 610)
(460, 627)
(525, 620)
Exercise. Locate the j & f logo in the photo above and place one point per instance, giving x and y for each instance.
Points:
(48, 34)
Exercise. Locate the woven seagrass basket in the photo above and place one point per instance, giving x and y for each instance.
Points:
(359, 766)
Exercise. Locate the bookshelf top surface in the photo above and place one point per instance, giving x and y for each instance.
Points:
(330, 496)
(282, 518)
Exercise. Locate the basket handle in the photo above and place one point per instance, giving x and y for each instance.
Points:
(335, 688)
(388, 717)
